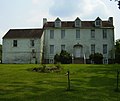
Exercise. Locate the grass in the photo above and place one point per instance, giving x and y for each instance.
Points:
(88, 83)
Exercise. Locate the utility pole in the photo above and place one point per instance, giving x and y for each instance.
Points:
(68, 74)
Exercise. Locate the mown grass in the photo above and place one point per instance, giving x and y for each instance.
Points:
(88, 83)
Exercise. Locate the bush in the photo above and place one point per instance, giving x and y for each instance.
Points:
(64, 57)
(97, 58)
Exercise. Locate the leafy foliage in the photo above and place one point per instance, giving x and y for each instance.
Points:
(97, 58)
(0, 52)
(117, 51)
(64, 57)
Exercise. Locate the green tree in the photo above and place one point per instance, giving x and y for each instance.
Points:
(97, 58)
(64, 57)
(0, 52)
(57, 58)
(117, 51)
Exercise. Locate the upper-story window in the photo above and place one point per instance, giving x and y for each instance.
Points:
(15, 43)
(104, 33)
(51, 34)
(62, 34)
(77, 22)
(32, 43)
(98, 22)
(104, 48)
(57, 22)
(77, 34)
(92, 48)
(92, 34)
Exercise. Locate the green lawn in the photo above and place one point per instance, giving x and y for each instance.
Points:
(88, 83)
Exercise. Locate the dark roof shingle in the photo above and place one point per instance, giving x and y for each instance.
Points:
(84, 24)
(24, 33)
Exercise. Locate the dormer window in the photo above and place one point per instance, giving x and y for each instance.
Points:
(57, 22)
(98, 22)
(77, 22)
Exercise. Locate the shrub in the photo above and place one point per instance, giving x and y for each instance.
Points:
(64, 57)
(57, 58)
(97, 58)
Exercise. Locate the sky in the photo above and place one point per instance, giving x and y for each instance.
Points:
(24, 14)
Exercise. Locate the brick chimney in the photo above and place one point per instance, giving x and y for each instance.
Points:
(44, 21)
(110, 20)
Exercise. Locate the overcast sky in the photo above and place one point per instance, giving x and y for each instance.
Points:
(30, 13)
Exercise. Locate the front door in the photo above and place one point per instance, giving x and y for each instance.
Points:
(77, 52)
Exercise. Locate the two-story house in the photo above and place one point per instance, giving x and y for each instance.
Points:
(23, 46)
(79, 38)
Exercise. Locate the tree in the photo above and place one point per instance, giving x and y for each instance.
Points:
(117, 51)
(0, 52)
(118, 3)
(57, 58)
(64, 57)
(97, 58)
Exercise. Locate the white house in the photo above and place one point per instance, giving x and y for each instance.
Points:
(79, 38)
(23, 46)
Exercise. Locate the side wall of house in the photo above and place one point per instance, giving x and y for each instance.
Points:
(23, 53)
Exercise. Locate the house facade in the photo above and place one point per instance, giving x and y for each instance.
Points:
(79, 38)
(23, 46)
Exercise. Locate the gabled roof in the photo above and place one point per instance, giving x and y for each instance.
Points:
(58, 19)
(24, 33)
(77, 18)
(97, 18)
(84, 24)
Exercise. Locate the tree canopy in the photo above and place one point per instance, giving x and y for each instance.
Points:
(0, 52)
(117, 51)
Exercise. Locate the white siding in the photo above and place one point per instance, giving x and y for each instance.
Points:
(85, 40)
(23, 52)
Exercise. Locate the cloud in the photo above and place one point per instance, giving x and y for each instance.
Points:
(81, 8)
(35, 1)
(65, 8)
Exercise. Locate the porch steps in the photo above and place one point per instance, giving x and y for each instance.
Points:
(78, 60)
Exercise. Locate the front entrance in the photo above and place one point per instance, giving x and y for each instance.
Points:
(78, 54)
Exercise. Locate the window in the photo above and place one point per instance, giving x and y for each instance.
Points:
(57, 23)
(92, 34)
(104, 33)
(77, 34)
(92, 48)
(105, 60)
(14, 43)
(51, 34)
(32, 43)
(51, 61)
(98, 22)
(77, 23)
(104, 48)
(62, 47)
(51, 49)
(33, 53)
(62, 34)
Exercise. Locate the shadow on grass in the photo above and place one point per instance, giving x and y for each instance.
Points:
(60, 94)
